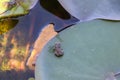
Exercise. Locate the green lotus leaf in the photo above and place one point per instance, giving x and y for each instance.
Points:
(93, 9)
(14, 8)
(91, 52)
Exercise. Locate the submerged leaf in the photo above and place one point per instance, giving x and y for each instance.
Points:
(91, 9)
(6, 25)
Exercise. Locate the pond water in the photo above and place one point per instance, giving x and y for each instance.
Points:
(15, 44)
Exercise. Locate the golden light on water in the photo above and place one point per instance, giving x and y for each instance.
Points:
(15, 51)
(11, 55)
(46, 34)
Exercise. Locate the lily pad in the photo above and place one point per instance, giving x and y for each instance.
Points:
(13, 8)
(91, 52)
(93, 9)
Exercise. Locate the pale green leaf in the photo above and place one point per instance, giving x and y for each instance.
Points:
(91, 52)
(86, 10)
(13, 8)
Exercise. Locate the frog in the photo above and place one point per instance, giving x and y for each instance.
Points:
(58, 51)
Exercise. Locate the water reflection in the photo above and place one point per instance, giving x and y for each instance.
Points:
(54, 7)
(16, 45)
(16, 75)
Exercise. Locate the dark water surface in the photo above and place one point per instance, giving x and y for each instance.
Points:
(13, 44)
(16, 75)
(40, 16)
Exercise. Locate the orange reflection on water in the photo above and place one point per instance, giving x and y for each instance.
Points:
(11, 54)
(46, 34)
(15, 64)
(14, 54)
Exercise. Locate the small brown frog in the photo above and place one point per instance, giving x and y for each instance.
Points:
(58, 50)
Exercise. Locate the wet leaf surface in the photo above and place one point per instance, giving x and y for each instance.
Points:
(93, 9)
(91, 52)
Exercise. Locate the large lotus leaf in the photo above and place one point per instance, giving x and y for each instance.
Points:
(13, 8)
(92, 9)
(91, 52)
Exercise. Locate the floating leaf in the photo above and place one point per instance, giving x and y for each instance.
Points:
(91, 52)
(32, 3)
(92, 9)
(13, 8)
(3, 6)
